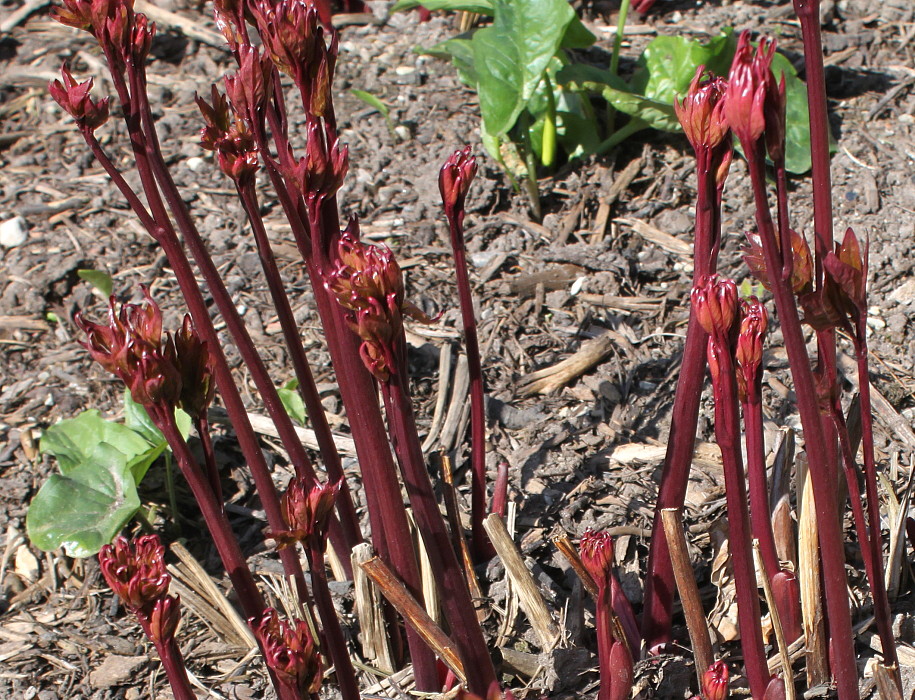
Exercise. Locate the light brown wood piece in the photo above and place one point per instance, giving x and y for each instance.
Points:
(373, 634)
(529, 597)
(808, 559)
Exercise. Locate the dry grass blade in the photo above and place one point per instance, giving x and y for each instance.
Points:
(374, 637)
(264, 426)
(459, 394)
(660, 238)
(414, 614)
(201, 595)
(696, 624)
(808, 559)
(427, 577)
(528, 594)
(783, 653)
(441, 399)
(897, 537)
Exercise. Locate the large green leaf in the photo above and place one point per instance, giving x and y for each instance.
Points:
(511, 56)
(84, 509)
(797, 117)
(72, 441)
(669, 63)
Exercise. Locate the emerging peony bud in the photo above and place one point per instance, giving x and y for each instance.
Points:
(162, 620)
(74, 97)
(701, 111)
(228, 136)
(136, 571)
(306, 508)
(596, 551)
(131, 347)
(750, 105)
(715, 302)
(748, 355)
(715, 682)
(454, 180)
(249, 87)
(846, 271)
(195, 365)
(368, 283)
(289, 650)
(320, 173)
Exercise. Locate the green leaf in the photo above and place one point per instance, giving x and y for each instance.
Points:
(480, 7)
(100, 280)
(577, 36)
(136, 418)
(459, 50)
(511, 55)
(797, 117)
(84, 509)
(72, 441)
(669, 63)
(292, 401)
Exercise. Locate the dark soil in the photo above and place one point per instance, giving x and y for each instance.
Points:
(586, 455)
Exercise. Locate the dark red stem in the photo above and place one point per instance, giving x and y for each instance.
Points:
(822, 472)
(349, 521)
(456, 601)
(202, 425)
(727, 433)
(659, 581)
(482, 548)
(173, 663)
(760, 514)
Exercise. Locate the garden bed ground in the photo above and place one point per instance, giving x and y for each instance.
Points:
(585, 455)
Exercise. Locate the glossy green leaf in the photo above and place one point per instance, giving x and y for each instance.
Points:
(458, 50)
(797, 117)
(100, 280)
(84, 509)
(480, 7)
(511, 55)
(669, 63)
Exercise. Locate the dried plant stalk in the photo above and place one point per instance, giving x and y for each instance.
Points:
(809, 574)
(783, 654)
(414, 614)
(568, 550)
(528, 594)
(374, 637)
(696, 624)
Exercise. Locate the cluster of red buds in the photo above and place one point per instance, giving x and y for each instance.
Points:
(321, 171)
(368, 283)
(617, 635)
(227, 135)
(306, 509)
(755, 104)
(162, 372)
(136, 573)
(289, 651)
(294, 38)
(124, 35)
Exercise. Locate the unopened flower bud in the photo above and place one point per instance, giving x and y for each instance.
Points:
(750, 85)
(748, 354)
(454, 180)
(195, 364)
(701, 111)
(306, 508)
(715, 302)
(715, 682)
(596, 551)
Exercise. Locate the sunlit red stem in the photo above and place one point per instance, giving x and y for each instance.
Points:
(877, 581)
(202, 426)
(330, 623)
(175, 670)
(481, 546)
(344, 504)
(455, 597)
(727, 433)
(659, 581)
(821, 471)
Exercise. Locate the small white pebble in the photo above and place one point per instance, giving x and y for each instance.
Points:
(196, 164)
(13, 232)
(402, 132)
(404, 70)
